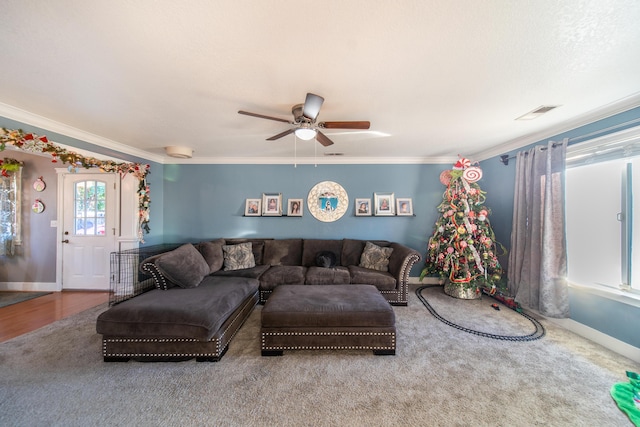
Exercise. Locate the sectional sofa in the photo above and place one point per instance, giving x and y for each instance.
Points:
(205, 291)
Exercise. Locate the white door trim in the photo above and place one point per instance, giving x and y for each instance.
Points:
(62, 173)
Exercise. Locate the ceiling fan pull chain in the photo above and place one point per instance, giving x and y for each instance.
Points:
(295, 151)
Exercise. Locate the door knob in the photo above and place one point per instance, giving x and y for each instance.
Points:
(65, 241)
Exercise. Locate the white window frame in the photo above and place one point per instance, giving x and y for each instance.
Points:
(618, 145)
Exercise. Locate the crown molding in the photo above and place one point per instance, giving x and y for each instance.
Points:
(608, 110)
(26, 117)
(331, 160)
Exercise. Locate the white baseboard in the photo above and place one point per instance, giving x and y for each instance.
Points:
(29, 286)
(578, 328)
(598, 337)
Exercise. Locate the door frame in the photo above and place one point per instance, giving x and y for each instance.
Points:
(126, 212)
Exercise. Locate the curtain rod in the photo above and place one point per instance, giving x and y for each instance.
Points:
(504, 159)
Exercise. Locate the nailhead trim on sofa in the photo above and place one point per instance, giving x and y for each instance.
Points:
(214, 349)
(159, 279)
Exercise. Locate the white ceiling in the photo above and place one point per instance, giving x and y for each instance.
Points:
(434, 78)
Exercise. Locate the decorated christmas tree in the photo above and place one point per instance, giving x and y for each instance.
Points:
(463, 250)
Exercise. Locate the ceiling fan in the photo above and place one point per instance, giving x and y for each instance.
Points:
(304, 120)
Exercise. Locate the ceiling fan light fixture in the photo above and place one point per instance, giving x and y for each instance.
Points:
(305, 133)
(304, 122)
(179, 152)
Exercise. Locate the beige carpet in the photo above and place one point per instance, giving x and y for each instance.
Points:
(440, 377)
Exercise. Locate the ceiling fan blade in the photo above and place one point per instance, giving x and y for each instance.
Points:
(323, 139)
(345, 125)
(260, 116)
(312, 106)
(281, 134)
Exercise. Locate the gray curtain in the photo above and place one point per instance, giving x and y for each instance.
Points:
(538, 257)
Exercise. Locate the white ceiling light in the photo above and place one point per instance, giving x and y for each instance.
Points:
(179, 152)
(305, 132)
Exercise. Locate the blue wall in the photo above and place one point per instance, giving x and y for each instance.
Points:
(213, 205)
(498, 179)
(197, 202)
(611, 317)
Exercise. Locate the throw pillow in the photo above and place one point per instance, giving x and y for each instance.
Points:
(326, 259)
(184, 266)
(212, 253)
(257, 247)
(238, 257)
(375, 257)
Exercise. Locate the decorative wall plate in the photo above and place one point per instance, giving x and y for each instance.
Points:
(38, 206)
(328, 201)
(39, 184)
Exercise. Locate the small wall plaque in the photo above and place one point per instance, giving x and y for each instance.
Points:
(38, 206)
(39, 185)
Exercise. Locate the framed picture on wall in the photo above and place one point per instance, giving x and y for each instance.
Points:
(271, 204)
(294, 207)
(404, 207)
(252, 207)
(363, 207)
(384, 204)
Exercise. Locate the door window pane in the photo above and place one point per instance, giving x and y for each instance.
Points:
(90, 208)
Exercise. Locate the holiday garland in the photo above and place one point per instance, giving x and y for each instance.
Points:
(9, 165)
(41, 144)
(463, 248)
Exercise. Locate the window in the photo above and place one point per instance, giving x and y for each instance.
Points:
(603, 216)
(10, 212)
(90, 208)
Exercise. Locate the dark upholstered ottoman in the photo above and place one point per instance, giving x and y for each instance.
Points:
(327, 317)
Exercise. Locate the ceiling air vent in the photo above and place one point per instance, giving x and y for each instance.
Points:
(537, 112)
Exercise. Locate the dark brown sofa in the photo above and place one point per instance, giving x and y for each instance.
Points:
(204, 292)
(294, 262)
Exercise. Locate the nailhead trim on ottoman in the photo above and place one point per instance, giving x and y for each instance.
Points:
(327, 317)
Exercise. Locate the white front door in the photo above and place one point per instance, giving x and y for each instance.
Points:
(88, 230)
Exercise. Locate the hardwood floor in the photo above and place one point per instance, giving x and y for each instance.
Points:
(18, 319)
